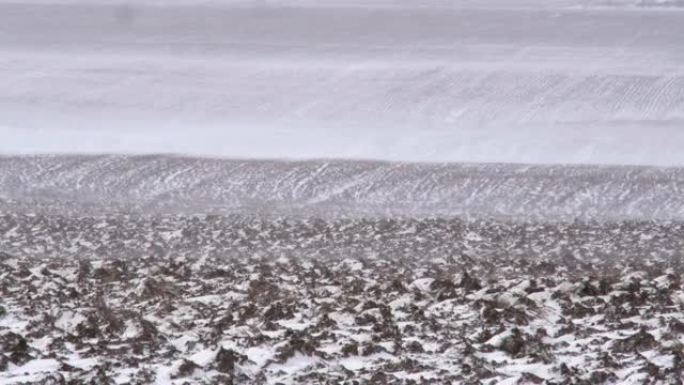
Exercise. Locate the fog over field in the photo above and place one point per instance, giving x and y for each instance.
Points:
(468, 81)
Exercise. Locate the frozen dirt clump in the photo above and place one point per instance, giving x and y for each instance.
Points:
(311, 320)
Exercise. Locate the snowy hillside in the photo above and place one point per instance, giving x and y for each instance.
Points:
(95, 185)
(525, 81)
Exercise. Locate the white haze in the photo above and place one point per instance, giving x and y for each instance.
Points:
(518, 81)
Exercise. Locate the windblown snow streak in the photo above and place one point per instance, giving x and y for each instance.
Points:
(87, 185)
(469, 81)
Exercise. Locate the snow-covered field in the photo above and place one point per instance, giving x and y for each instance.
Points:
(299, 318)
(338, 272)
(93, 185)
(477, 81)
(486, 192)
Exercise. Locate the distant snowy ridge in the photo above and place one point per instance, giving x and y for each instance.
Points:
(521, 81)
(181, 185)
